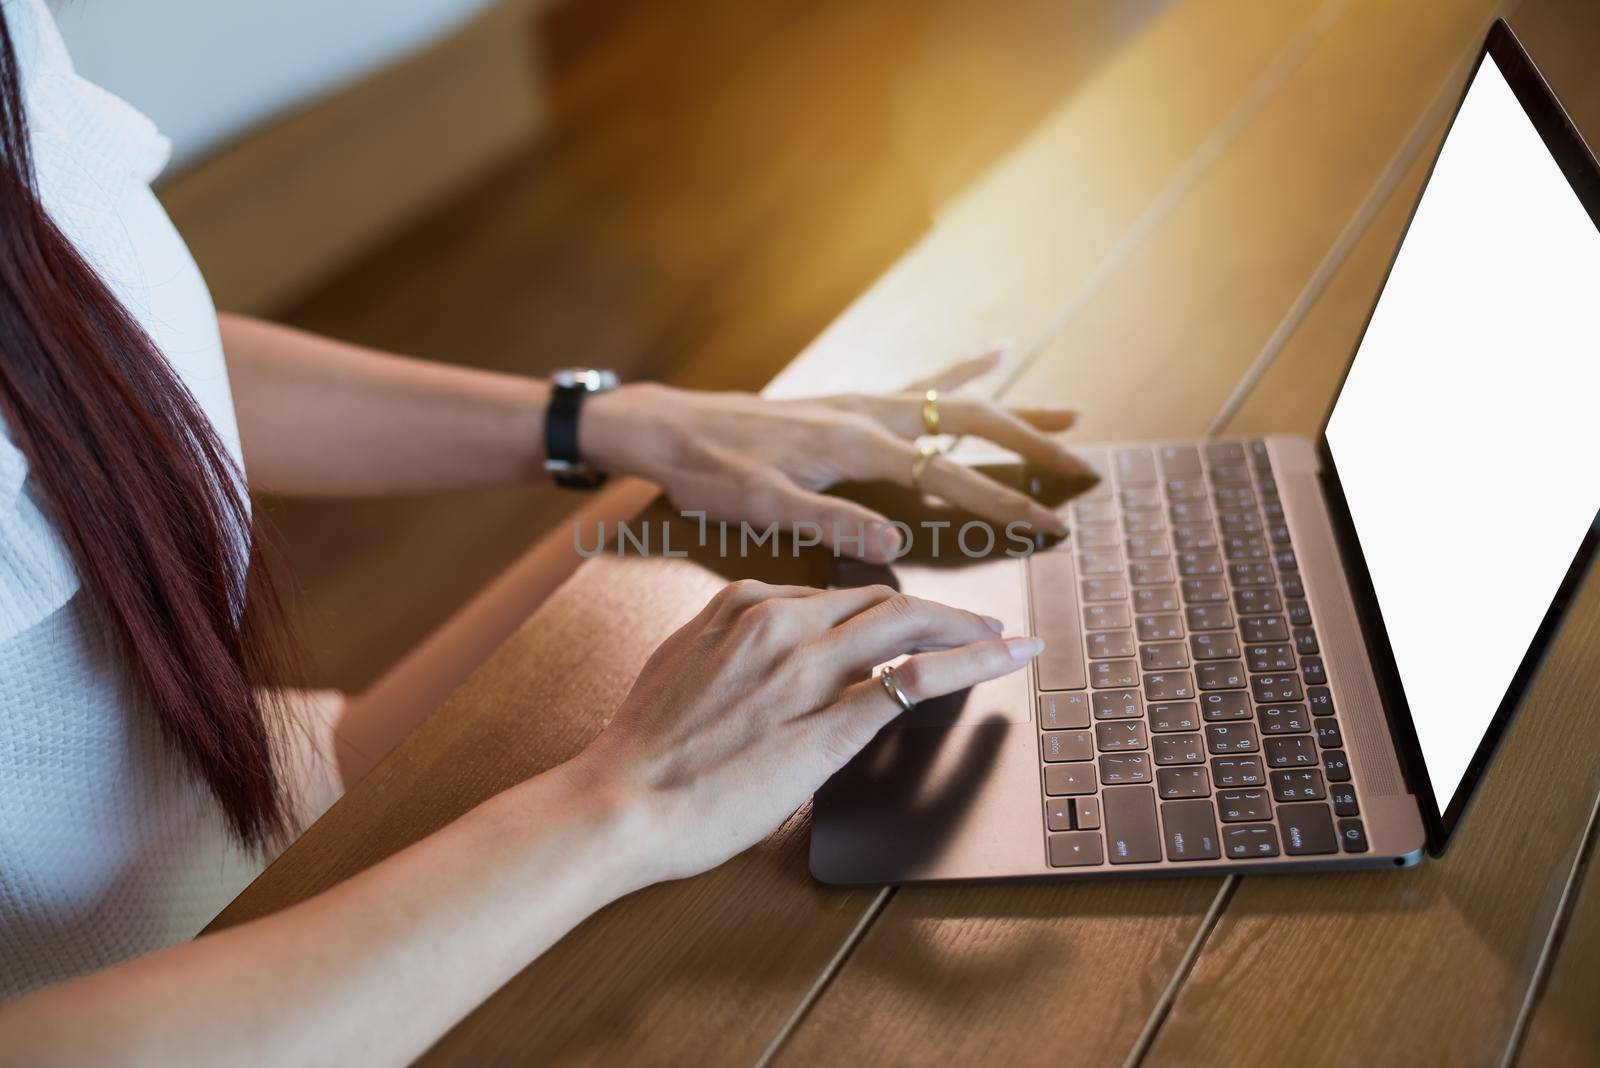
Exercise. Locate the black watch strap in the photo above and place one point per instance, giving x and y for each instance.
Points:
(569, 389)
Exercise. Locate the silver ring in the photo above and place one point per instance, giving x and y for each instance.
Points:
(893, 688)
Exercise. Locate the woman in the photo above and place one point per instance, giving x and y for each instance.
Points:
(145, 774)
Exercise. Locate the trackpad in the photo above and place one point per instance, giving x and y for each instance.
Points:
(991, 587)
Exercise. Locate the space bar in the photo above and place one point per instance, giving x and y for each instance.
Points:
(1053, 593)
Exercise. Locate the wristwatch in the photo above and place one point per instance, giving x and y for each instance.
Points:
(570, 387)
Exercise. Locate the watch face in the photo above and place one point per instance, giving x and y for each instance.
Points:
(588, 379)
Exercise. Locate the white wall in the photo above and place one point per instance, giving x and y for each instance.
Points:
(206, 70)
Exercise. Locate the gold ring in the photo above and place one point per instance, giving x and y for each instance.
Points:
(925, 454)
(930, 411)
(886, 677)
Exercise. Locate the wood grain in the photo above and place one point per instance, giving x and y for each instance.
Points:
(1432, 965)
(1565, 1030)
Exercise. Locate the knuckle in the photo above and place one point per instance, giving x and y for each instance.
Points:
(765, 623)
(912, 677)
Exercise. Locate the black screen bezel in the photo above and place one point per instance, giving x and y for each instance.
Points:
(1566, 145)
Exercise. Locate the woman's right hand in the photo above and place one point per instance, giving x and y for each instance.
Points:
(748, 708)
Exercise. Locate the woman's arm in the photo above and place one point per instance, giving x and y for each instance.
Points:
(735, 720)
(323, 418)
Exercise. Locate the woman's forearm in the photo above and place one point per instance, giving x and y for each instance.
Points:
(323, 418)
(370, 972)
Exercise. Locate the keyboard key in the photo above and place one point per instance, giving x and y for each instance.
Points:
(1130, 817)
(1336, 766)
(1178, 461)
(1328, 733)
(1209, 617)
(1120, 735)
(1298, 784)
(1244, 547)
(1106, 616)
(1145, 546)
(1143, 523)
(1276, 656)
(1061, 746)
(1141, 498)
(1225, 738)
(1242, 806)
(1058, 813)
(1113, 674)
(1116, 768)
(1299, 613)
(1259, 457)
(1052, 584)
(1312, 671)
(1307, 829)
(1063, 711)
(1099, 563)
(1343, 797)
(1267, 485)
(1292, 752)
(1193, 536)
(1093, 511)
(1226, 473)
(1076, 849)
(1168, 686)
(1238, 521)
(1257, 601)
(1273, 688)
(1214, 646)
(1232, 497)
(1252, 573)
(1264, 629)
(1186, 489)
(1107, 644)
(1283, 719)
(1185, 513)
(1101, 589)
(1178, 749)
(1163, 656)
(1151, 572)
(1191, 830)
(1063, 779)
(1134, 467)
(1238, 771)
(1220, 675)
(1291, 586)
(1204, 591)
(1118, 704)
(1149, 601)
(1196, 562)
(1086, 813)
(1305, 641)
(1285, 560)
(1175, 783)
(1225, 452)
(1353, 835)
(1175, 716)
(1160, 628)
(1097, 537)
(1223, 705)
(1250, 840)
(1272, 508)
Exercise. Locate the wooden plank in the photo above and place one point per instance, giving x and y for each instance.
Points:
(1431, 965)
(1565, 1029)
(710, 968)
(983, 973)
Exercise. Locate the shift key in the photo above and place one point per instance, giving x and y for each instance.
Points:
(1053, 594)
(1132, 836)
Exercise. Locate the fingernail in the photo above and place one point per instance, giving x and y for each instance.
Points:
(1023, 650)
(994, 624)
(1049, 522)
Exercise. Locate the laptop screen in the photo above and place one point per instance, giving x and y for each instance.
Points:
(1465, 434)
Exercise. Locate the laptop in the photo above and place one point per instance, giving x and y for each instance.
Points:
(1276, 654)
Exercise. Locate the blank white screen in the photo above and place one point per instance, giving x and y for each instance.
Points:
(1464, 435)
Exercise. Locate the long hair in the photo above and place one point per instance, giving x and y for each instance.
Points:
(148, 500)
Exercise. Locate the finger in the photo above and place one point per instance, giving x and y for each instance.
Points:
(904, 624)
(842, 526)
(891, 459)
(844, 727)
(986, 420)
(961, 372)
(1057, 417)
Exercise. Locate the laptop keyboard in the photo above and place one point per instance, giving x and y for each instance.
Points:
(1184, 709)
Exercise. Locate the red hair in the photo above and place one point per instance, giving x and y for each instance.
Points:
(146, 497)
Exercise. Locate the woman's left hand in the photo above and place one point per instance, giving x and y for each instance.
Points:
(737, 456)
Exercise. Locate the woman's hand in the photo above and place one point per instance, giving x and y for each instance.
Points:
(744, 712)
(736, 456)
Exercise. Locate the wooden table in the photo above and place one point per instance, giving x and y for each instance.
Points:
(1189, 245)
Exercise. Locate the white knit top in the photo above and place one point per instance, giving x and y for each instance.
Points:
(108, 848)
